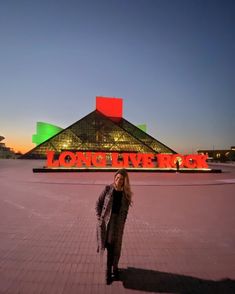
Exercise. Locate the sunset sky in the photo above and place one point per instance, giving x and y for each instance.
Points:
(172, 62)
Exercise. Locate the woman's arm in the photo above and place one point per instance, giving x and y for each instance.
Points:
(100, 201)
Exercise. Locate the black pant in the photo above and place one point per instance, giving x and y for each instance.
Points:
(110, 256)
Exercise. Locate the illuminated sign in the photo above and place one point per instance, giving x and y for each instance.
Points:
(69, 159)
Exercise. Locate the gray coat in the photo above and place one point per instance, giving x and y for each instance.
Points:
(103, 212)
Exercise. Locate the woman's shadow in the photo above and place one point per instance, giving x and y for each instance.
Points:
(155, 281)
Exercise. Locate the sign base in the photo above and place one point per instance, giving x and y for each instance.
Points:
(110, 169)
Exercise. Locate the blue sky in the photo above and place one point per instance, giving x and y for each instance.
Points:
(172, 61)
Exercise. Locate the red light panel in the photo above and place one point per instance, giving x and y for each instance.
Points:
(111, 107)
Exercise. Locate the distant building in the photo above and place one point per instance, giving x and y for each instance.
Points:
(219, 155)
(6, 152)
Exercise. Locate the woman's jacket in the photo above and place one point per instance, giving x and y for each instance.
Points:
(104, 211)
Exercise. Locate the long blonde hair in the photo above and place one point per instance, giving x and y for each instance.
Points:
(126, 186)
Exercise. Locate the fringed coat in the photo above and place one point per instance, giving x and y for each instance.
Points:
(103, 212)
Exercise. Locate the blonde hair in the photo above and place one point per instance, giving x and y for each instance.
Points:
(126, 186)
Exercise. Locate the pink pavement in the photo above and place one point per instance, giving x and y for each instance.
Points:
(179, 235)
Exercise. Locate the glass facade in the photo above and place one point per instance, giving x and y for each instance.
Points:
(97, 132)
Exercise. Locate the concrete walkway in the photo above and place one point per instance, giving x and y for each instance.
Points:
(179, 235)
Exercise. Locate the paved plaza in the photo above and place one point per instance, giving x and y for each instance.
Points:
(179, 236)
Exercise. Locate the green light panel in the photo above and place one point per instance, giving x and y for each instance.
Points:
(143, 127)
(44, 132)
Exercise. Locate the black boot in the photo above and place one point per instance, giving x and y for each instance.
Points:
(109, 264)
(108, 276)
(116, 274)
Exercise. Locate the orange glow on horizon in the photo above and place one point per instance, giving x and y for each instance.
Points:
(19, 147)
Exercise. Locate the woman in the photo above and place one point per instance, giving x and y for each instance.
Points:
(111, 210)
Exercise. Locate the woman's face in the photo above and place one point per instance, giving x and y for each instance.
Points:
(119, 181)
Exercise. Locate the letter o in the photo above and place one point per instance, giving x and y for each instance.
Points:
(176, 157)
(71, 159)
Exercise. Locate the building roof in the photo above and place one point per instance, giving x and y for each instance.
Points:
(97, 132)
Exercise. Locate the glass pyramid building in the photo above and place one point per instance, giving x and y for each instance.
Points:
(103, 130)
